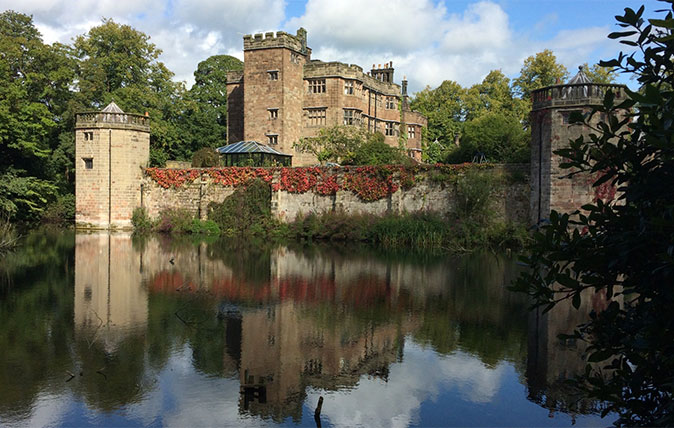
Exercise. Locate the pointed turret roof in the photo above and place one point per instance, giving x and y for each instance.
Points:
(580, 77)
(112, 108)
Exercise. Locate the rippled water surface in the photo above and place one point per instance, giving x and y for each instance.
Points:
(107, 329)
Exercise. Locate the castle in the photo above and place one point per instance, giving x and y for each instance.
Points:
(112, 147)
(283, 95)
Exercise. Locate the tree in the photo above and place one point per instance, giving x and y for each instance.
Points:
(119, 62)
(333, 143)
(599, 74)
(374, 151)
(204, 122)
(34, 88)
(539, 71)
(499, 136)
(444, 107)
(494, 95)
(623, 247)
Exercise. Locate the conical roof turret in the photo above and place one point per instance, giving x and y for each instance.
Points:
(580, 77)
(112, 108)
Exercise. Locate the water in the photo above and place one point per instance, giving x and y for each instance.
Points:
(99, 329)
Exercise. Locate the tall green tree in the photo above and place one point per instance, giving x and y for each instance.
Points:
(494, 95)
(500, 137)
(205, 119)
(444, 107)
(599, 74)
(623, 247)
(538, 71)
(35, 81)
(119, 62)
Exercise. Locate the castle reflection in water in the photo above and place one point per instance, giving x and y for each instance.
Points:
(284, 321)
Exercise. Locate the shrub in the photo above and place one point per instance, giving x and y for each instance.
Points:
(61, 211)
(174, 220)
(204, 227)
(141, 221)
(8, 236)
(247, 210)
(205, 158)
(473, 196)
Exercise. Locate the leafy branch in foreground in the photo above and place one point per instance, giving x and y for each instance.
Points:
(623, 247)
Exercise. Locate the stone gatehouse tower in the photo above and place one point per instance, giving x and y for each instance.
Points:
(111, 147)
(551, 130)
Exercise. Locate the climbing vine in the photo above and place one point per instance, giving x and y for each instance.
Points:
(369, 183)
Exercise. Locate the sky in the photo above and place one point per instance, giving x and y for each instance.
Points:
(428, 41)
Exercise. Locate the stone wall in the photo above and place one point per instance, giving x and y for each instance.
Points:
(511, 201)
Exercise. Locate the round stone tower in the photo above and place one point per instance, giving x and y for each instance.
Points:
(551, 130)
(111, 147)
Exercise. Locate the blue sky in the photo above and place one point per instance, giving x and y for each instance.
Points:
(428, 41)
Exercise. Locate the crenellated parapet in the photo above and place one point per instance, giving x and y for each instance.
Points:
(235, 76)
(319, 69)
(280, 39)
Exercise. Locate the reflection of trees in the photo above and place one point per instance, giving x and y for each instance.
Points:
(36, 323)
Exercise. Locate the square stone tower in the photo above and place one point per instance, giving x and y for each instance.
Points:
(111, 147)
(274, 88)
(551, 130)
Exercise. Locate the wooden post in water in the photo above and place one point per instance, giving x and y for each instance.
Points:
(317, 413)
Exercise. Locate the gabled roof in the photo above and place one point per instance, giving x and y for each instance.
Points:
(112, 108)
(249, 147)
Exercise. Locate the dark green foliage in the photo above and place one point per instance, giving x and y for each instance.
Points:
(500, 137)
(141, 221)
(204, 120)
(205, 158)
(8, 236)
(623, 248)
(204, 227)
(245, 212)
(418, 231)
(376, 152)
(60, 212)
(35, 81)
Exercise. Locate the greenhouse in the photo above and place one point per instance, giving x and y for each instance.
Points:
(252, 153)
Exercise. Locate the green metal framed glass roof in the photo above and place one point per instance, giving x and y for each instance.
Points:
(243, 147)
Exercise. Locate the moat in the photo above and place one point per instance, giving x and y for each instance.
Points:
(114, 330)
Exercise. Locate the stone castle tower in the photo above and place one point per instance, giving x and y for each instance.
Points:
(110, 148)
(275, 87)
(551, 130)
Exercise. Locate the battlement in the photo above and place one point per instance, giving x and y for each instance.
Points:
(317, 69)
(234, 76)
(280, 39)
(576, 94)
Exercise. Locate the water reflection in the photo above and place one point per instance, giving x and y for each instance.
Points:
(167, 332)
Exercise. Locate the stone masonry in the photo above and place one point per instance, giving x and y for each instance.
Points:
(283, 95)
(110, 148)
(551, 130)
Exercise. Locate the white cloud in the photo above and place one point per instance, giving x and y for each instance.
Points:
(187, 32)
(426, 40)
(420, 377)
(430, 44)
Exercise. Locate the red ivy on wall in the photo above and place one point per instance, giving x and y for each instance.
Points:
(370, 183)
